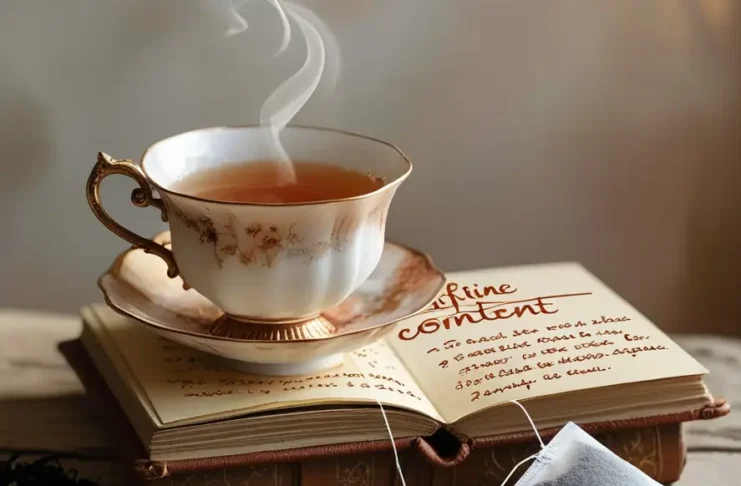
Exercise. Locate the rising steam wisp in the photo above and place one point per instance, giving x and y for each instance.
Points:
(288, 99)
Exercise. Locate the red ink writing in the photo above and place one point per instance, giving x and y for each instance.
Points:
(485, 364)
(609, 320)
(486, 339)
(593, 344)
(629, 337)
(553, 376)
(453, 298)
(507, 347)
(480, 310)
(210, 394)
(552, 350)
(524, 383)
(635, 351)
(594, 369)
(475, 354)
(555, 339)
(583, 357)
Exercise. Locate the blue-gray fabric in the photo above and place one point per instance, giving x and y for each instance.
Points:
(574, 458)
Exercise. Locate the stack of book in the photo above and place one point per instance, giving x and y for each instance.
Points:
(552, 337)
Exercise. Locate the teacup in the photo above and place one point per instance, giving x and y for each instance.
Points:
(261, 263)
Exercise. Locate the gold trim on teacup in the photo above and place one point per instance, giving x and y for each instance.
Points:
(383, 188)
(391, 300)
(262, 320)
(261, 330)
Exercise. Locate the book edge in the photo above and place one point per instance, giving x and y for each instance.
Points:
(77, 357)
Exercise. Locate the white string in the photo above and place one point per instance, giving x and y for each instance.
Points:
(393, 444)
(517, 467)
(537, 434)
(532, 424)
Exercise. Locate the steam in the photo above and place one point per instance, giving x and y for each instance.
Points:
(288, 99)
(238, 24)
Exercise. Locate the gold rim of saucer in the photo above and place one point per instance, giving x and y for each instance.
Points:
(337, 334)
(383, 188)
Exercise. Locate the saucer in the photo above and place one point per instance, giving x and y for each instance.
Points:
(404, 283)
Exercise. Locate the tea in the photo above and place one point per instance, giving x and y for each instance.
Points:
(260, 182)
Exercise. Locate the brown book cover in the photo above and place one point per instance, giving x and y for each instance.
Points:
(654, 444)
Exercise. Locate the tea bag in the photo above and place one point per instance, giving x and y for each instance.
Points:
(574, 458)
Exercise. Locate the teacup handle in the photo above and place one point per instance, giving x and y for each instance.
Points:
(141, 197)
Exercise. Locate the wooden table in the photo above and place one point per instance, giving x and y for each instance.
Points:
(43, 407)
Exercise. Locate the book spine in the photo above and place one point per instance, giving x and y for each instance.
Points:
(657, 451)
(266, 475)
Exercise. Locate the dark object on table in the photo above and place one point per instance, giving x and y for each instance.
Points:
(46, 471)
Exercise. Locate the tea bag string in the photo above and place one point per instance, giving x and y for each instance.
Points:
(393, 444)
(532, 424)
(529, 458)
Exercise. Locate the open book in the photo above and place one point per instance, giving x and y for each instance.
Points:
(550, 336)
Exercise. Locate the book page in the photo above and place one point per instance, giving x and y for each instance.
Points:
(516, 333)
(186, 386)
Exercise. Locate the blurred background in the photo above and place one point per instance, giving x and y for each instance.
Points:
(601, 131)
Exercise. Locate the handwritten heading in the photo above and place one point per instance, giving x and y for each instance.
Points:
(474, 305)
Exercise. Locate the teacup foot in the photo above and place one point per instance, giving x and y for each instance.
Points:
(262, 330)
(288, 369)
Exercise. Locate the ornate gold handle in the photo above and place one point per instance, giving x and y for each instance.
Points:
(141, 197)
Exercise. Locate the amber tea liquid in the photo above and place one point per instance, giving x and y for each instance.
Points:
(261, 182)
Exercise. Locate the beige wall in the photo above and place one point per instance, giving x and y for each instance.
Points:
(598, 131)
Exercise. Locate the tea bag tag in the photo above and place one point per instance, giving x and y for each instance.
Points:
(575, 458)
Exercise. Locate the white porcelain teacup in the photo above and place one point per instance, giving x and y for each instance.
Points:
(262, 263)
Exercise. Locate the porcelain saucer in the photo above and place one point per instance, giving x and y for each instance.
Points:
(404, 283)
